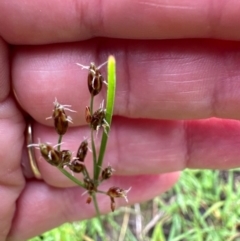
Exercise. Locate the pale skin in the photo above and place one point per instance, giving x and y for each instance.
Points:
(162, 85)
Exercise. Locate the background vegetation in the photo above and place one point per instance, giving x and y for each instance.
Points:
(204, 205)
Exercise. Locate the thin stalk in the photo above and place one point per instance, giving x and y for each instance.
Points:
(92, 140)
(67, 174)
(98, 213)
(102, 192)
(96, 206)
(85, 173)
(94, 154)
(72, 178)
(91, 104)
(59, 141)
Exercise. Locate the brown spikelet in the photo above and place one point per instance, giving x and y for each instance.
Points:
(76, 166)
(95, 80)
(61, 120)
(51, 155)
(88, 116)
(82, 151)
(107, 173)
(89, 200)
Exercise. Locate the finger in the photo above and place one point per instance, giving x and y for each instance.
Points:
(11, 132)
(199, 79)
(41, 22)
(4, 71)
(138, 147)
(39, 201)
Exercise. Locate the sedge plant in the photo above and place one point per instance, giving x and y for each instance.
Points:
(96, 119)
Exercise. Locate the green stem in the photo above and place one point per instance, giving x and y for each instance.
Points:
(59, 141)
(109, 111)
(102, 192)
(96, 206)
(85, 173)
(94, 155)
(67, 174)
(92, 140)
(98, 213)
(72, 178)
(91, 104)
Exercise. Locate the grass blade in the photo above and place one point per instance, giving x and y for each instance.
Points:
(109, 110)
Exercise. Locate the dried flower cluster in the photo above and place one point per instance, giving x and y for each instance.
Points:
(63, 159)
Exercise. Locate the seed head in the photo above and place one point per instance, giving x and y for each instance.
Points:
(76, 166)
(95, 78)
(113, 204)
(97, 120)
(115, 192)
(89, 199)
(61, 123)
(107, 173)
(88, 116)
(53, 156)
(60, 118)
(89, 185)
(65, 157)
(48, 152)
(82, 151)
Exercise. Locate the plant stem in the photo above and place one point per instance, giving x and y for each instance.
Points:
(98, 213)
(67, 174)
(91, 104)
(59, 141)
(72, 178)
(109, 111)
(96, 205)
(102, 192)
(92, 140)
(94, 154)
(85, 173)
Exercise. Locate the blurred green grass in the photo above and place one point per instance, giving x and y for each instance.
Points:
(204, 206)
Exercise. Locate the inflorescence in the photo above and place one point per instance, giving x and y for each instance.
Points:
(63, 159)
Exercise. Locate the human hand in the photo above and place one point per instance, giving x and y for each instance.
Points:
(161, 85)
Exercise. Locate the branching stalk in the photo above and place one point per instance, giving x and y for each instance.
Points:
(72, 178)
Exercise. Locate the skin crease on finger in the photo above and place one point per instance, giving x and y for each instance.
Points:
(138, 147)
(183, 79)
(36, 23)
